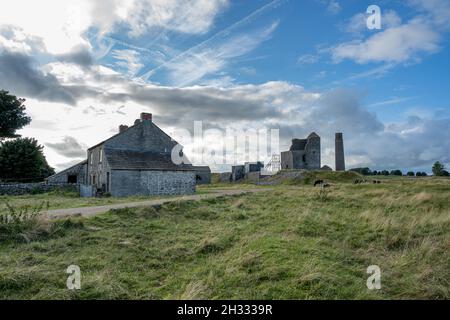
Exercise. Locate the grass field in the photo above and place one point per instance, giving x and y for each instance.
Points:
(62, 199)
(291, 242)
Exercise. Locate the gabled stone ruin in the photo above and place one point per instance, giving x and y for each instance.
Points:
(303, 154)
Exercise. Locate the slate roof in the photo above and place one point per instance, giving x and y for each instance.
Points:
(69, 169)
(135, 160)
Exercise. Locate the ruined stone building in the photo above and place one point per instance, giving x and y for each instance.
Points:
(240, 172)
(136, 161)
(303, 154)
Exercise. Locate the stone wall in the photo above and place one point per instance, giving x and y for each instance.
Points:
(31, 188)
(237, 172)
(133, 182)
(202, 175)
(225, 177)
(253, 177)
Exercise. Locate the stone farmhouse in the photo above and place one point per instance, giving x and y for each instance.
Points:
(136, 161)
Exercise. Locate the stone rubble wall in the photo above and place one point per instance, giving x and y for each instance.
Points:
(32, 188)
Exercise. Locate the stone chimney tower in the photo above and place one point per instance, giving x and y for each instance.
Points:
(339, 152)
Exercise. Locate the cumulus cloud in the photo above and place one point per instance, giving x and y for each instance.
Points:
(80, 56)
(295, 112)
(19, 73)
(69, 147)
(438, 11)
(357, 24)
(398, 42)
(394, 45)
(75, 79)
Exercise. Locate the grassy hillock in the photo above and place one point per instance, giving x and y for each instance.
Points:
(305, 177)
(288, 242)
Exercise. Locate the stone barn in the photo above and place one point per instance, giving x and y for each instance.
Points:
(303, 154)
(137, 161)
(73, 175)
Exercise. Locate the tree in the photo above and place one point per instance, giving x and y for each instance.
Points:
(12, 115)
(22, 160)
(385, 173)
(396, 173)
(410, 174)
(439, 169)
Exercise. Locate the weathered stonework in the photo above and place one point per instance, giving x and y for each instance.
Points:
(226, 177)
(237, 172)
(30, 188)
(137, 161)
(303, 154)
(339, 152)
(133, 182)
(202, 174)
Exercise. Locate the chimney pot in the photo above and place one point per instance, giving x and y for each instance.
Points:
(146, 116)
(137, 121)
(122, 128)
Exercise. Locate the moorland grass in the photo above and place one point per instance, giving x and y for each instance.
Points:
(288, 242)
(61, 200)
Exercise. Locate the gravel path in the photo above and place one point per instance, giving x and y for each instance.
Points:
(91, 211)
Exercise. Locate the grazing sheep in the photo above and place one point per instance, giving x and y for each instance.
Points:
(318, 182)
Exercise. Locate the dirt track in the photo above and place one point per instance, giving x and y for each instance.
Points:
(91, 211)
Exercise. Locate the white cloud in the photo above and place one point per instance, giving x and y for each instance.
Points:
(307, 59)
(394, 45)
(62, 24)
(357, 24)
(183, 16)
(334, 7)
(211, 58)
(438, 11)
(272, 105)
(128, 60)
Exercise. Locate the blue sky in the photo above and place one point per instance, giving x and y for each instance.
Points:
(298, 66)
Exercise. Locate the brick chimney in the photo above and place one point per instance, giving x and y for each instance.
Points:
(146, 116)
(122, 128)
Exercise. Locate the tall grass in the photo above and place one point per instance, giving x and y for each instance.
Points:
(21, 223)
(26, 224)
(285, 243)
